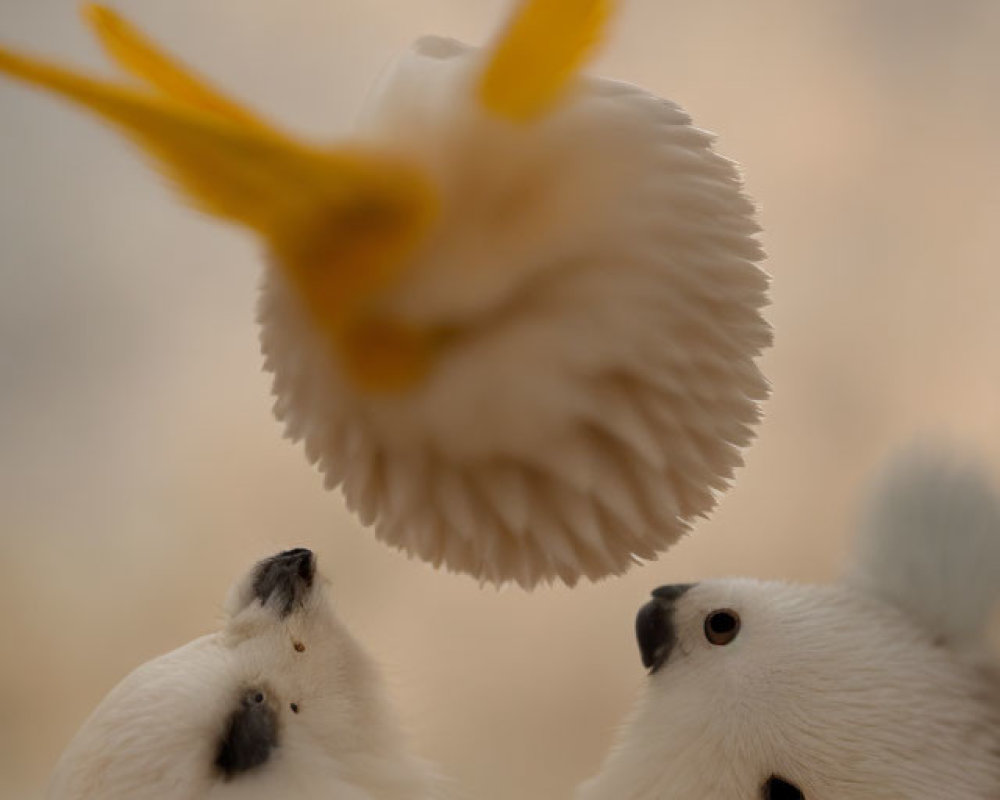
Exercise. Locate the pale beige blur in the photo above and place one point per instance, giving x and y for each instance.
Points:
(141, 469)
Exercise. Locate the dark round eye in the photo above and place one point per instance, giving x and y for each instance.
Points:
(778, 789)
(258, 698)
(295, 708)
(722, 626)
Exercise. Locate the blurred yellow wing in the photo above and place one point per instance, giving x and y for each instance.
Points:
(137, 55)
(543, 48)
(341, 222)
(242, 174)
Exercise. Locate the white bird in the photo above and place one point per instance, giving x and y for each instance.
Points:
(515, 318)
(280, 703)
(880, 687)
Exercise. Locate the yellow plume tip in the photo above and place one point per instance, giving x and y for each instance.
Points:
(342, 224)
(139, 57)
(545, 45)
(97, 14)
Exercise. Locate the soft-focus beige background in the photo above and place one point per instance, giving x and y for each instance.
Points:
(140, 468)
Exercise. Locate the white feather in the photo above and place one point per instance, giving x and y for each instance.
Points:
(833, 691)
(931, 543)
(876, 688)
(601, 265)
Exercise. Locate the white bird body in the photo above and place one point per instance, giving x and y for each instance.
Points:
(515, 319)
(832, 692)
(600, 268)
(157, 735)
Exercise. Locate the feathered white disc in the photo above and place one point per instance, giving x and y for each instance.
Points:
(600, 269)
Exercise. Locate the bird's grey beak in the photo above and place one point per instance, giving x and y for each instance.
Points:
(251, 734)
(284, 581)
(654, 626)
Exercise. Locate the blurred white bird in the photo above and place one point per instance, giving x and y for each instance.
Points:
(281, 703)
(515, 318)
(880, 687)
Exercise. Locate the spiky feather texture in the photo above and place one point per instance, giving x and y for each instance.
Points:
(516, 320)
(847, 692)
(599, 271)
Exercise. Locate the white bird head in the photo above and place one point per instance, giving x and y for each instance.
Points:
(775, 691)
(515, 318)
(281, 702)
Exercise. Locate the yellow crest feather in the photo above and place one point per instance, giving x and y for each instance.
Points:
(544, 46)
(138, 56)
(341, 222)
(239, 173)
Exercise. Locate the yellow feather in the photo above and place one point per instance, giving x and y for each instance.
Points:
(340, 223)
(236, 172)
(385, 355)
(543, 48)
(138, 56)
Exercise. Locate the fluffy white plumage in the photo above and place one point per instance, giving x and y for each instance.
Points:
(945, 511)
(600, 266)
(516, 320)
(173, 730)
(876, 688)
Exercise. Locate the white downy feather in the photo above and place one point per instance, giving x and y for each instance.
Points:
(601, 268)
(930, 543)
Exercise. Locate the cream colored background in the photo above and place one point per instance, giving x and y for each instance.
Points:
(141, 471)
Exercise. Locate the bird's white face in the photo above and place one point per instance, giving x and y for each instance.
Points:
(282, 702)
(284, 642)
(766, 690)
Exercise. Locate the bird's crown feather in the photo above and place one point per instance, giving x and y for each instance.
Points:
(533, 63)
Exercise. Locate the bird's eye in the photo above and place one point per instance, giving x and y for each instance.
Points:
(778, 789)
(722, 626)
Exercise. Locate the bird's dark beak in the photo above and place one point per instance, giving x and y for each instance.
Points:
(251, 734)
(284, 581)
(654, 626)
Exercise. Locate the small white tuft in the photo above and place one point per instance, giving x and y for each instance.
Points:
(930, 543)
